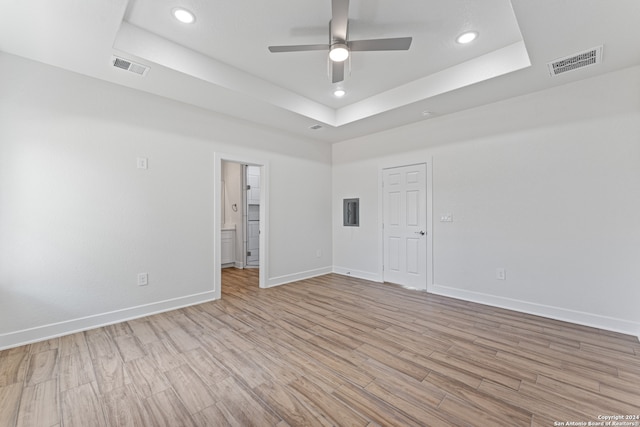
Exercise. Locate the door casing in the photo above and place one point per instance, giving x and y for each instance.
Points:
(217, 216)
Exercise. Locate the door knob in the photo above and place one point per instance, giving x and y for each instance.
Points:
(420, 232)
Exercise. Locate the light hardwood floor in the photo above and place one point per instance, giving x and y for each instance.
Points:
(326, 351)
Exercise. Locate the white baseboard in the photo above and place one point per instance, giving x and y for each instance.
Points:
(283, 280)
(366, 275)
(53, 330)
(27, 336)
(551, 312)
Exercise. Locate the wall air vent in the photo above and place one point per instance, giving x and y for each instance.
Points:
(315, 127)
(127, 65)
(575, 61)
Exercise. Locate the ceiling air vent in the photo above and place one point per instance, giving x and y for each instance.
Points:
(575, 61)
(124, 64)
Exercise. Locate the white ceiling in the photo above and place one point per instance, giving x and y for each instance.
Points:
(221, 62)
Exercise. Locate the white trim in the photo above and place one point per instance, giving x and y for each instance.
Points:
(430, 275)
(551, 312)
(288, 278)
(366, 275)
(217, 215)
(380, 225)
(53, 330)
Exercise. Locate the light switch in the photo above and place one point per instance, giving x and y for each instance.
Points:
(446, 218)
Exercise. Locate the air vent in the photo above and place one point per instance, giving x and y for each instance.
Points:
(575, 61)
(127, 65)
(315, 127)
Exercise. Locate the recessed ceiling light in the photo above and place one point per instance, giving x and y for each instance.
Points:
(339, 93)
(183, 15)
(467, 37)
(339, 52)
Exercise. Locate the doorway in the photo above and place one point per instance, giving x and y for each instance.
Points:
(406, 230)
(230, 214)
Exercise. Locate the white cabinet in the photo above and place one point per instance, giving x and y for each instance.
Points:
(228, 246)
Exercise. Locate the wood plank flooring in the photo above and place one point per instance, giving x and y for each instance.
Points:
(331, 350)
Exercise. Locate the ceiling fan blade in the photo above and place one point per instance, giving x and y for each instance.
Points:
(339, 20)
(337, 72)
(400, 43)
(298, 48)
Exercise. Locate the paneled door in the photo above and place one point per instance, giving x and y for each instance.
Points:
(405, 225)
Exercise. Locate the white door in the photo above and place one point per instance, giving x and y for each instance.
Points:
(405, 225)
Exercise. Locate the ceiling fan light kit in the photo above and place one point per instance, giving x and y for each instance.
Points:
(339, 52)
(340, 46)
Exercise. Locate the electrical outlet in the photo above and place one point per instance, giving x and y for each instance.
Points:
(143, 279)
(319, 253)
(501, 274)
(142, 162)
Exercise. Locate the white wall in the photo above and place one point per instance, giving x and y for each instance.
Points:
(546, 186)
(78, 221)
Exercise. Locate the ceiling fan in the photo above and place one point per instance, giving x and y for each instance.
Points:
(340, 46)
